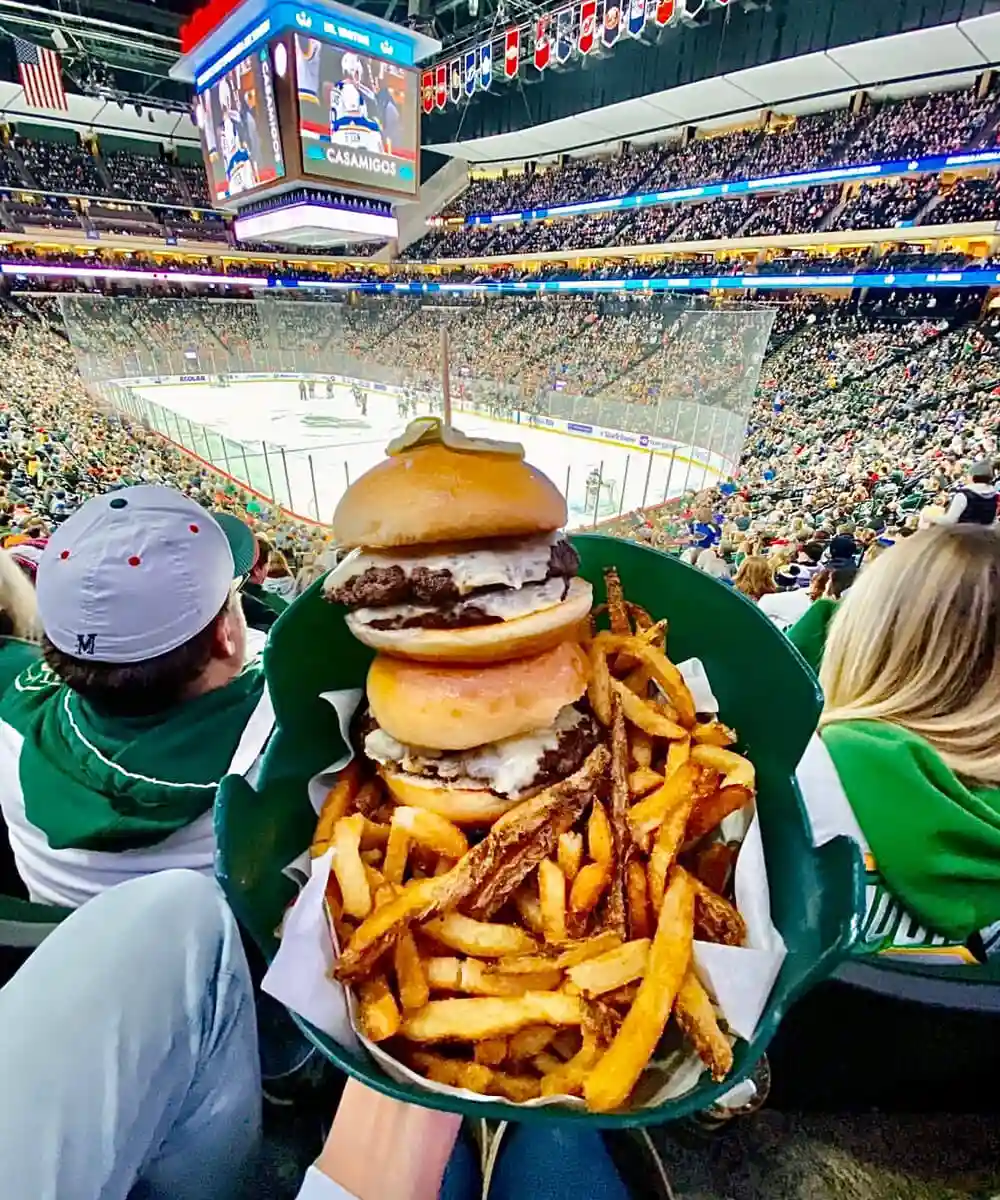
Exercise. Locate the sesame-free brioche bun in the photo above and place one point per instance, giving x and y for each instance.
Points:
(463, 806)
(458, 708)
(435, 494)
(504, 640)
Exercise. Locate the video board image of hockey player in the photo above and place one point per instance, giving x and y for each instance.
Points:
(241, 143)
(235, 136)
(357, 116)
(355, 108)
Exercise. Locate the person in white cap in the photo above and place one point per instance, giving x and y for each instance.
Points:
(111, 749)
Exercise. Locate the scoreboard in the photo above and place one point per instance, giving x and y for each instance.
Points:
(357, 116)
(320, 96)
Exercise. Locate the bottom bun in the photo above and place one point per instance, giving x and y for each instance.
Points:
(519, 638)
(464, 806)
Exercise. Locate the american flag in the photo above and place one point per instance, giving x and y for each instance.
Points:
(41, 75)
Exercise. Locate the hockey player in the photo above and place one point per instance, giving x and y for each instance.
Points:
(354, 109)
(239, 168)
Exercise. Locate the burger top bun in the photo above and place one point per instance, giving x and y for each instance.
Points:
(427, 491)
(457, 708)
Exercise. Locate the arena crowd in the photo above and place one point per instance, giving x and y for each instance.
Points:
(858, 512)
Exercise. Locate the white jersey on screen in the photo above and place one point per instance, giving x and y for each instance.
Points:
(352, 120)
(308, 56)
(236, 156)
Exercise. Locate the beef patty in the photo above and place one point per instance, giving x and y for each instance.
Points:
(553, 765)
(381, 586)
(463, 615)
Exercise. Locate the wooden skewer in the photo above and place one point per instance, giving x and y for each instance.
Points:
(446, 375)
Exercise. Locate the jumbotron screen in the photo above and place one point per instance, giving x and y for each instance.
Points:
(357, 117)
(240, 133)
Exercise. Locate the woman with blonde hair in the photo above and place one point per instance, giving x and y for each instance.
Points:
(911, 724)
(19, 628)
(279, 579)
(755, 578)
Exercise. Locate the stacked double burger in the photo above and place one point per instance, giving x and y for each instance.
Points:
(463, 583)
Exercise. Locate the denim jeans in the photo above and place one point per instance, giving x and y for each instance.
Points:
(128, 1052)
(129, 1067)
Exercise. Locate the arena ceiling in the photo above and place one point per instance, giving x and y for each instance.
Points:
(128, 46)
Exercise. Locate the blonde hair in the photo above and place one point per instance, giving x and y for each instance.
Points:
(17, 600)
(916, 643)
(755, 578)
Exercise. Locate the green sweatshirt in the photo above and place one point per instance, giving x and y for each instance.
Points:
(95, 782)
(808, 634)
(15, 656)
(934, 840)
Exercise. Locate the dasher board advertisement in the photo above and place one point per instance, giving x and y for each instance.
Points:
(240, 132)
(357, 117)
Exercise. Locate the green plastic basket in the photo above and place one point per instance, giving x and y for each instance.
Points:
(765, 691)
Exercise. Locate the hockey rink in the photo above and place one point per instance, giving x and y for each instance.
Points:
(327, 443)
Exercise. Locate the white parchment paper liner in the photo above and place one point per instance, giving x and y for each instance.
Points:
(739, 978)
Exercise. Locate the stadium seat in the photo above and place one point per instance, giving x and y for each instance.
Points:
(892, 1036)
(763, 687)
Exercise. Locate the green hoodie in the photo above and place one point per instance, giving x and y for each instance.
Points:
(934, 840)
(808, 634)
(94, 782)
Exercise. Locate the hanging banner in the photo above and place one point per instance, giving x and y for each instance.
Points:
(455, 80)
(636, 17)
(588, 22)
(441, 85)
(427, 91)
(511, 53)
(471, 72)
(485, 65)
(564, 34)
(665, 12)
(612, 23)
(543, 44)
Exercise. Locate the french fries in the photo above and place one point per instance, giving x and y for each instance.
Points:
(697, 1019)
(737, 770)
(668, 842)
(599, 688)
(715, 919)
(713, 733)
(642, 713)
(621, 836)
(588, 887)
(490, 1052)
(336, 805)
(431, 830)
(662, 671)
(638, 901)
(648, 814)
(711, 810)
(612, 1079)
(378, 1013)
(411, 977)
(641, 748)
(348, 867)
(543, 954)
(480, 939)
(600, 841)
(612, 970)
(470, 976)
(472, 1020)
(643, 780)
(530, 1042)
(569, 855)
